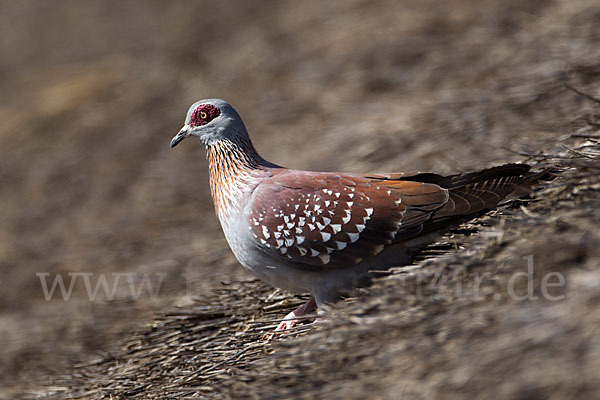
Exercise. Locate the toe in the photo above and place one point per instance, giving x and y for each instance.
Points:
(286, 324)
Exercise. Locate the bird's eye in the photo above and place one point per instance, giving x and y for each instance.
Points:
(203, 114)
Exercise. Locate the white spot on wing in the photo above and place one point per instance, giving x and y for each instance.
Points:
(300, 239)
(324, 258)
(347, 218)
(353, 237)
(340, 245)
(266, 233)
(326, 236)
(336, 227)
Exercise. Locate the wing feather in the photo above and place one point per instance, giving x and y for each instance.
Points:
(326, 220)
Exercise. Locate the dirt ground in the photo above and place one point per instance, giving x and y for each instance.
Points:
(93, 93)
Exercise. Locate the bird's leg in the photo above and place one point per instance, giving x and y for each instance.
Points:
(290, 320)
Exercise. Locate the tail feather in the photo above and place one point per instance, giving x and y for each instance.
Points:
(475, 193)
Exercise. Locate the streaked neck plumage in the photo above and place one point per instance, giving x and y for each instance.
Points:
(235, 168)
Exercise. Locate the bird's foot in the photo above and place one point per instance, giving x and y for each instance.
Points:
(287, 323)
(290, 320)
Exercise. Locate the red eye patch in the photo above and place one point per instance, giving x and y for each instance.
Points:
(203, 114)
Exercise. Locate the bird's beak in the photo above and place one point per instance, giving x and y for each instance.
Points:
(183, 133)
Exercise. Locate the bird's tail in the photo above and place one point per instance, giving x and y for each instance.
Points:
(475, 193)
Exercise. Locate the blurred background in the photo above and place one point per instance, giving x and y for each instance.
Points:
(92, 93)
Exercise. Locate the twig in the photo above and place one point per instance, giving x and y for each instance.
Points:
(578, 152)
(584, 136)
(587, 96)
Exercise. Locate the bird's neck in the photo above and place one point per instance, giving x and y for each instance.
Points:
(235, 168)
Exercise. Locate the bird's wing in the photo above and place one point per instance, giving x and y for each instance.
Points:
(323, 220)
(468, 194)
(327, 220)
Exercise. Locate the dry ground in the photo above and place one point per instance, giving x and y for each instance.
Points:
(92, 94)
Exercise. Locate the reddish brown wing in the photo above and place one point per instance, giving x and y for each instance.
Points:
(318, 220)
(472, 193)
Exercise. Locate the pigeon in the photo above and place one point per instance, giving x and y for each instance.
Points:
(321, 232)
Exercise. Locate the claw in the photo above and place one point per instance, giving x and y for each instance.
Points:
(290, 320)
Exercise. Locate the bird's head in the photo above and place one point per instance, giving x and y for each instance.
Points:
(212, 120)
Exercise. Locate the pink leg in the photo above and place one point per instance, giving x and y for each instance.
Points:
(289, 321)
